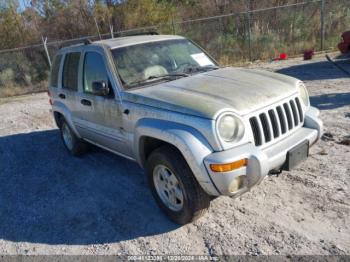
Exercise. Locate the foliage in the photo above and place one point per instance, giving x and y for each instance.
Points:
(290, 30)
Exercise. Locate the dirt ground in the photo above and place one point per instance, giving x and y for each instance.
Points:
(52, 203)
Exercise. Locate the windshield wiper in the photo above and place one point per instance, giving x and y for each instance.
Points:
(153, 78)
(201, 68)
(168, 75)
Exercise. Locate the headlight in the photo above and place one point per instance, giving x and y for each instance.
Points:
(230, 128)
(304, 94)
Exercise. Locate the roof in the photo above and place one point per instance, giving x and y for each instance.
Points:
(122, 41)
(134, 40)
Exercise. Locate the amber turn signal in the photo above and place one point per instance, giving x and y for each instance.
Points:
(229, 166)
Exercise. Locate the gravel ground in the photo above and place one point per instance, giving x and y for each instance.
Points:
(52, 203)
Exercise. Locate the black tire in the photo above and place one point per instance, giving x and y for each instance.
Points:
(195, 200)
(78, 146)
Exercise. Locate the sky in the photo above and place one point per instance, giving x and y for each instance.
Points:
(23, 4)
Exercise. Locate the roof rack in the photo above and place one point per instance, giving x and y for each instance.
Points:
(88, 41)
(138, 33)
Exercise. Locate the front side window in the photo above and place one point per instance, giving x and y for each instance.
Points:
(149, 63)
(55, 70)
(71, 70)
(94, 70)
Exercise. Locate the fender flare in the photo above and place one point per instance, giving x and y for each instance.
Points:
(189, 141)
(312, 120)
(63, 110)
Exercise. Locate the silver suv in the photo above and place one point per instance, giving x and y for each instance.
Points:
(198, 129)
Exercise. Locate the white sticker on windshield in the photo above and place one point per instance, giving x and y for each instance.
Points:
(202, 59)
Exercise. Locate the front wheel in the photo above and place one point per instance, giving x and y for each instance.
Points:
(174, 186)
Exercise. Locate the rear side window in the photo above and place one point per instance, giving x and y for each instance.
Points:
(54, 71)
(70, 71)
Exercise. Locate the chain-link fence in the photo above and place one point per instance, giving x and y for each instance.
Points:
(231, 38)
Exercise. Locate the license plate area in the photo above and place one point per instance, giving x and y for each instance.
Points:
(296, 155)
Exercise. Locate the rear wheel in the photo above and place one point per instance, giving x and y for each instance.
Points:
(174, 187)
(72, 143)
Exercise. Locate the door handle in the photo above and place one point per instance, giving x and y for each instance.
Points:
(62, 96)
(85, 102)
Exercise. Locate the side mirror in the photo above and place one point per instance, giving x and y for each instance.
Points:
(100, 88)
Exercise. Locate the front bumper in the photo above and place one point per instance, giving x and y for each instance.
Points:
(261, 161)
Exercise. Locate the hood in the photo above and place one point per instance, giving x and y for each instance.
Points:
(205, 95)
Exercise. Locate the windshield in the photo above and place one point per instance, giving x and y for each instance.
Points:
(149, 63)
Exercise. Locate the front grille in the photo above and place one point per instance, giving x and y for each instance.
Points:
(274, 123)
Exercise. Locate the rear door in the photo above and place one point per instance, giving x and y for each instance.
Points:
(99, 118)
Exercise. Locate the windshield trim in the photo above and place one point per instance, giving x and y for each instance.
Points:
(124, 86)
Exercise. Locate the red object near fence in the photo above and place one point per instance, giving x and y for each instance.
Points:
(283, 56)
(308, 54)
(344, 46)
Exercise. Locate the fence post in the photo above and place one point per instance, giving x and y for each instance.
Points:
(46, 50)
(173, 24)
(98, 30)
(249, 35)
(322, 24)
(111, 30)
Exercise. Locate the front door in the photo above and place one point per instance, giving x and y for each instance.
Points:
(99, 118)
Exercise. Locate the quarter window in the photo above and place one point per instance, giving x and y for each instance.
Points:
(54, 71)
(94, 70)
(70, 71)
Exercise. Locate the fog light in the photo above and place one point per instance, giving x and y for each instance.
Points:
(236, 184)
(229, 166)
